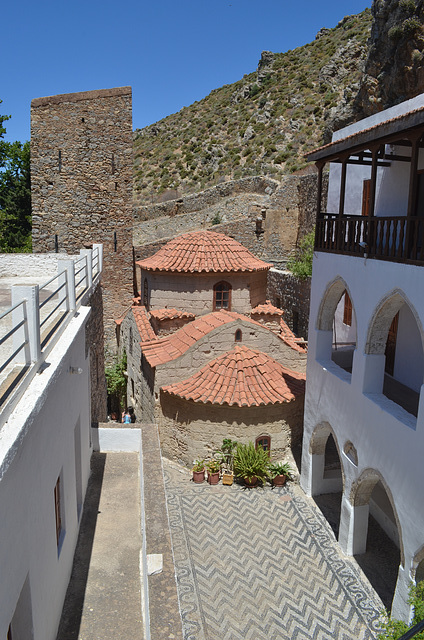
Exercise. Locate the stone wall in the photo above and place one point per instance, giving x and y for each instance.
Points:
(94, 341)
(287, 210)
(292, 294)
(81, 173)
(190, 430)
(194, 292)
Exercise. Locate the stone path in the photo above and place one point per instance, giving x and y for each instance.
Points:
(262, 564)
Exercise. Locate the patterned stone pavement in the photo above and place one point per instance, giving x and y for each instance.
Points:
(262, 564)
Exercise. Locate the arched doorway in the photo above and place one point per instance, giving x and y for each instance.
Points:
(396, 335)
(378, 538)
(327, 474)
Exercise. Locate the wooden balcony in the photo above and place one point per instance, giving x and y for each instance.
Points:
(397, 239)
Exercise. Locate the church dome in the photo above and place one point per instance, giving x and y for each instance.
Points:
(203, 252)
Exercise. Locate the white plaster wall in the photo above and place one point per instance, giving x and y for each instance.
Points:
(36, 445)
(386, 438)
(409, 360)
(39, 265)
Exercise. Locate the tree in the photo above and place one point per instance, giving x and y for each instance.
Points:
(15, 194)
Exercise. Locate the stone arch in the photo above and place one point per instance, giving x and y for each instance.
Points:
(331, 298)
(382, 317)
(360, 495)
(418, 565)
(318, 443)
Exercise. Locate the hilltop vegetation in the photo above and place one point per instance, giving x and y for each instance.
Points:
(261, 125)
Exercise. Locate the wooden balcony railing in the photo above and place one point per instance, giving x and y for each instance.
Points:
(399, 239)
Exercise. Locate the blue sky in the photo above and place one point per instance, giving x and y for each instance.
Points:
(172, 52)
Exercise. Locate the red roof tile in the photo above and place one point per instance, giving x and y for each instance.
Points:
(267, 309)
(170, 314)
(161, 350)
(143, 324)
(287, 335)
(242, 377)
(203, 252)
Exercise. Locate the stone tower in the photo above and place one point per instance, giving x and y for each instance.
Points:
(81, 184)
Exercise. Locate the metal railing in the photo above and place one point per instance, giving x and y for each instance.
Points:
(29, 329)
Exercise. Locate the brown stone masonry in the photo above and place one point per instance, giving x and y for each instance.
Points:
(81, 168)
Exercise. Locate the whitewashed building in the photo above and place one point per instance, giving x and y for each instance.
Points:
(45, 426)
(364, 408)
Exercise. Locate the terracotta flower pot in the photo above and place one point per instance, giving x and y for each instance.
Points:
(251, 482)
(213, 477)
(279, 481)
(198, 476)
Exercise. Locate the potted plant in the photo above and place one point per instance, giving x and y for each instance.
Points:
(213, 466)
(198, 471)
(227, 457)
(251, 464)
(280, 472)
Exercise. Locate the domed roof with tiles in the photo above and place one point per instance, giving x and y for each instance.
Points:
(203, 252)
(241, 377)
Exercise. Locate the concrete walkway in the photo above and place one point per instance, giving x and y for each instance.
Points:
(259, 564)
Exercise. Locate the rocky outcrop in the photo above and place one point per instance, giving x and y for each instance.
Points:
(394, 69)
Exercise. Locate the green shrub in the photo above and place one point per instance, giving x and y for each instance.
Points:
(393, 629)
(250, 462)
(301, 263)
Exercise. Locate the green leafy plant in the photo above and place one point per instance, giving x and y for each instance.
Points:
(216, 219)
(116, 380)
(250, 462)
(280, 469)
(227, 453)
(198, 465)
(392, 629)
(301, 263)
(213, 465)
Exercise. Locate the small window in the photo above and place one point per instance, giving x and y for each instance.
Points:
(222, 296)
(295, 319)
(146, 293)
(264, 442)
(238, 335)
(58, 511)
(130, 340)
(60, 160)
(347, 311)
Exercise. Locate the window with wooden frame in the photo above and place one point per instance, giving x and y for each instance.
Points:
(264, 442)
(347, 310)
(366, 193)
(58, 511)
(390, 351)
(222, 296)
(146, 293)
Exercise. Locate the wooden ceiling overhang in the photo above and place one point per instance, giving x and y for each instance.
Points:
(359, 147)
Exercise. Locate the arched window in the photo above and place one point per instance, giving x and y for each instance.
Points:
(264, 442)
(146, 293)
(222, 296)
(238, 336)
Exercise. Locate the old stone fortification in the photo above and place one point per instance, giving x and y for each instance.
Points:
(81, 170)
(285, 211)
(292, 294)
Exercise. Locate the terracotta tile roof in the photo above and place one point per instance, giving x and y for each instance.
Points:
(144, 327)
(203, 252)
(383, 127)
(267, 309)
(170, 314)
(242, 377)
(287, 335)
(168, 348)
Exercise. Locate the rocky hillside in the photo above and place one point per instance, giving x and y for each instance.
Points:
(394, 69)
(260, 125)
